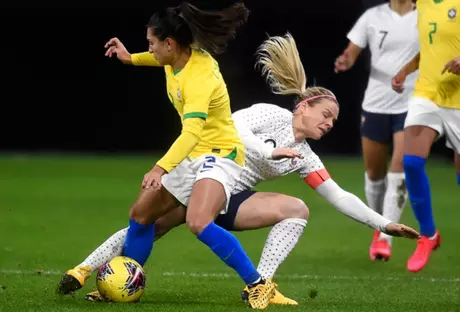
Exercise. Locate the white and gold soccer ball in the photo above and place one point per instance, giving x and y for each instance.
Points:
(121, 280)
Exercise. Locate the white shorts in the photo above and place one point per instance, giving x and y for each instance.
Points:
(446, 121)
(179, 182)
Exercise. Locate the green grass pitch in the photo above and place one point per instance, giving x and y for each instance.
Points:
(54, 210)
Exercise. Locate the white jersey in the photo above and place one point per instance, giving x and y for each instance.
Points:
(263, 127)
(393, 42)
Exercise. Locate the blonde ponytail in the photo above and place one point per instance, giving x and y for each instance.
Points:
(281, 65)
(284, 72)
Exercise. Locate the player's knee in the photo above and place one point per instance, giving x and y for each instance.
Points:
(294, 208)
(196, 225)
(137, 215)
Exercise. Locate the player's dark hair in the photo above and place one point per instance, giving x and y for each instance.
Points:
(188, 25)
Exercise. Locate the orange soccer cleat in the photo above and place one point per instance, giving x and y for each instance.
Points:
(380, 249)
(422, 253)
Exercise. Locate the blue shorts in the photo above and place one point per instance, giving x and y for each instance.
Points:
(227, 220)
(381, 127)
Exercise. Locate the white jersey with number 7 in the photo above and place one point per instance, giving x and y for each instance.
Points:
(393, 42)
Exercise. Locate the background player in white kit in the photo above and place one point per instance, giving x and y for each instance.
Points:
(264, 128)
(390, 32)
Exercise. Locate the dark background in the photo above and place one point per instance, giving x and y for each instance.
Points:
(59, 92)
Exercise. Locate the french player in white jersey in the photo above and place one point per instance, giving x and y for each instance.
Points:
(267, 131)
(390, 32)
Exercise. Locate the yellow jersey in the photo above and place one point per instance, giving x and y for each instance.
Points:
(199, 94)
(439, 36)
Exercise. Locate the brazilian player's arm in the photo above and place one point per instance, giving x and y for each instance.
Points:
(345, 202)
(197, 96)
(144, 59)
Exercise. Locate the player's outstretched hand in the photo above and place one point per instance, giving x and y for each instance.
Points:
(115, 47)
(397, 83)
(280, 153)
(401, 230)
(452, 66)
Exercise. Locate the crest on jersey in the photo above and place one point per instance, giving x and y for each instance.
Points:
(452, 13)
(363, 119)
(178, 94)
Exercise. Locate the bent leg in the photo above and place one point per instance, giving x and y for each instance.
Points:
(288, 215)
(208, 198)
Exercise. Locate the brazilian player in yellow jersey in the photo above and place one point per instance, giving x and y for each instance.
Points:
(199, 94)
(202, 166)
(434, 111)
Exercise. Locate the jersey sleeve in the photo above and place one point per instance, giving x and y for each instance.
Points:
(144, 59)
(248, 136)
(184, 144)
(198, 95)
(350, 205)
(358, 34)
(311, 164)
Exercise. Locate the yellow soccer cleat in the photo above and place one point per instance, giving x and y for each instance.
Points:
(94, 296)
(279, 298)
(74, 279)
(258, 296)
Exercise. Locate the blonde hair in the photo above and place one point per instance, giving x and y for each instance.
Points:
(281, 65)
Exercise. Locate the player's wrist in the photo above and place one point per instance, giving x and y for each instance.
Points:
(384, 226)
(159, 170)
(127, 59)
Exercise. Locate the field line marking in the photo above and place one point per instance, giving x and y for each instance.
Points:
(283, 276)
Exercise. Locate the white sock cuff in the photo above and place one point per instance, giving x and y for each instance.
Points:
(396, 176)
(299, 221)
(373, 182)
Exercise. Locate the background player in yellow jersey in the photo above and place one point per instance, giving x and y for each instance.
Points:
(202, 166)
(434, 111)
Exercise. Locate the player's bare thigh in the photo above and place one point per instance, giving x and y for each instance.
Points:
(152, 204)
(422, 127)
(398, 152)
(266, 209)
(375, 156)
(207, 199)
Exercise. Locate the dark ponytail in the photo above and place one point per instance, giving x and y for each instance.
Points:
(209, 30)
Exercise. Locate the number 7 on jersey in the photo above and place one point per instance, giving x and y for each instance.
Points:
(434, 28)
(384, 35)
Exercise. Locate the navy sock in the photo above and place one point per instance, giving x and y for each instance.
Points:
(458, 178)
(419, 191)
(228, 249)
(139, 241)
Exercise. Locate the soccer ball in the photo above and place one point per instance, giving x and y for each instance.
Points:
(121, 280)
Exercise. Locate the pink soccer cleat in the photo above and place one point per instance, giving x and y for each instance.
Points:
(422, 253)
(379, 249)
